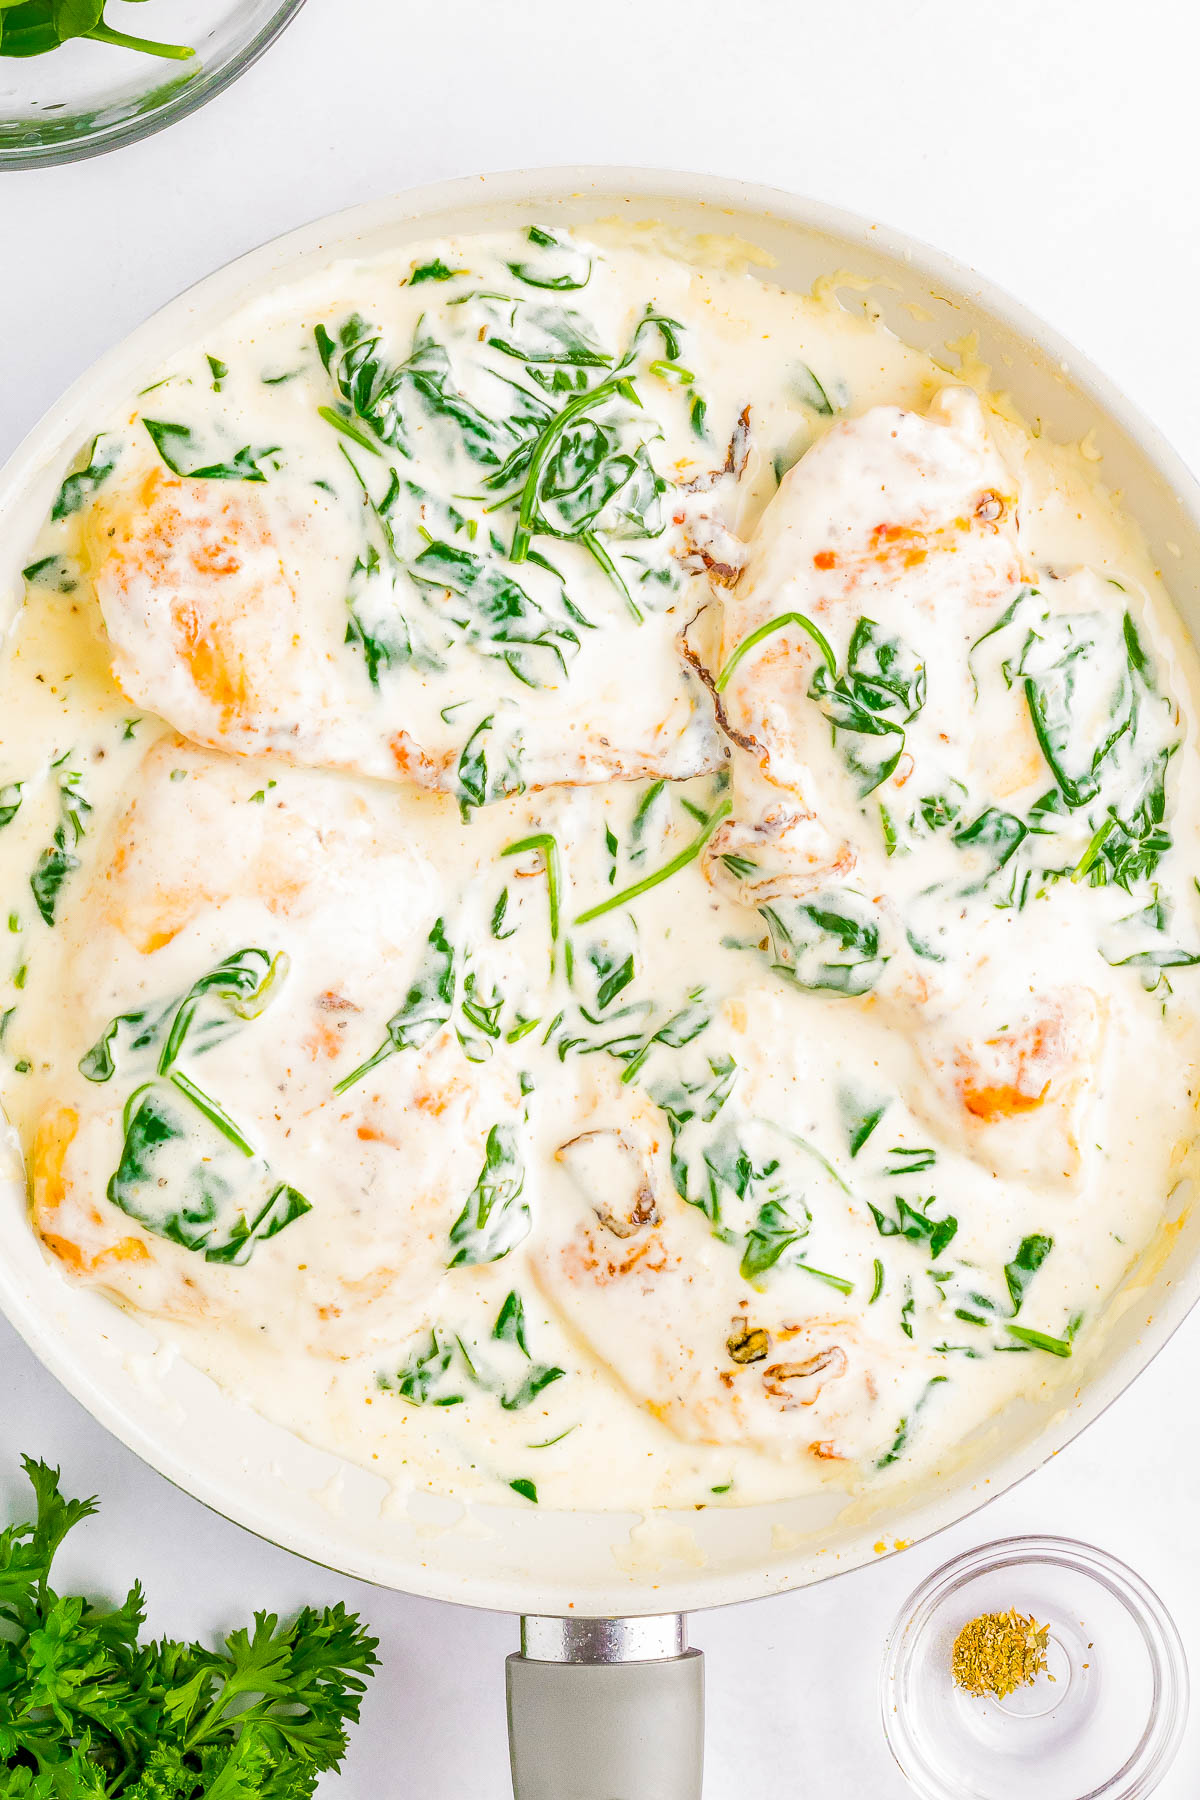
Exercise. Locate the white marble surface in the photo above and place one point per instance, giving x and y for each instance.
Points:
(1053, 147)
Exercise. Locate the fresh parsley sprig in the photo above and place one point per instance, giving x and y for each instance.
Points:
(88, 1710)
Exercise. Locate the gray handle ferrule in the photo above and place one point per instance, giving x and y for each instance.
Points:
(611, 1729)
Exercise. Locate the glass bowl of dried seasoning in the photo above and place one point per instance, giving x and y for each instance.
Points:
(1034, 1666)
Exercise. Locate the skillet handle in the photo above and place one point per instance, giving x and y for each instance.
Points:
(606, 1709)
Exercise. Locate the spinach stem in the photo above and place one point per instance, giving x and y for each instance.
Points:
(1093, 850)
(104, 34)
(386, 1049)
(802, 1143)
(834, 1281)
(215, 1114)
(765, 631)
(688, 854)
(600, 556)
(180, 1026)
(1039, 1340)
(547, 844)
(524, 532)
(348, 429)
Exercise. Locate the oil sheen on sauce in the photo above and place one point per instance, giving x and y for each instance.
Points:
(598, 864)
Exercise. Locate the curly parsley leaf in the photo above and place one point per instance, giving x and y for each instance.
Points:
(89, 1710)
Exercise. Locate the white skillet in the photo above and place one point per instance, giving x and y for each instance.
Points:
(614, 1711)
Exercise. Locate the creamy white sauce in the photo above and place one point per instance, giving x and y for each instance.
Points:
(605, 1217)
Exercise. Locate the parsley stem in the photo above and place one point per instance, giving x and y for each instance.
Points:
(688, 854)
(765, 631)
(211, 1719)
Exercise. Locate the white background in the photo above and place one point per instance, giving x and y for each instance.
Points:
(1053, 145)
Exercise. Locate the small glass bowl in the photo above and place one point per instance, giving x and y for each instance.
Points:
(1104, 1720)
(86, 97)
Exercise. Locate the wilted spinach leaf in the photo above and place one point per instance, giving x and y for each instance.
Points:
(376, 623)
(533, 331)
(55, 864)
(1078, 686)
(688, 1101)
(381, 393)
(433, 271)
(914, 1223)
(478, 781)
(136, 1030)
(175, 441)
(1128, 847)
(1031, 1254)
(563, 267)
(236, 989)
(427, 1378)
(49, 873)
(175, 1178)
(427, 1005)
(881, 689)
(998, 832)
(905, 1427)
(577, 474)
(499, 615)
(439, 1372)
(774, 1230)
(814, 393)
(79, 487)
(860, 1116)
(495, 1218)
(829, 943)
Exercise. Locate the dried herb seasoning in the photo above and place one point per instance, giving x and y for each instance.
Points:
(998, 1653)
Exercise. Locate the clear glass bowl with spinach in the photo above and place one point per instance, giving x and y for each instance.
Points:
(78, 76)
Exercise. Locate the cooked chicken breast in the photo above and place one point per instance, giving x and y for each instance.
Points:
(253, 621)
(225, 975)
